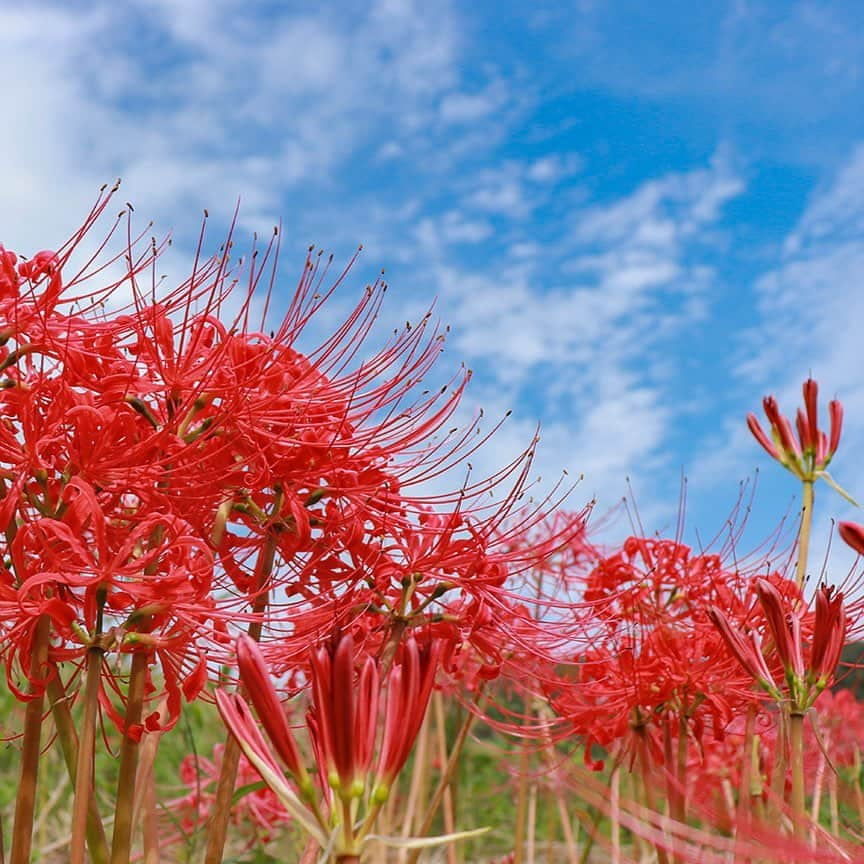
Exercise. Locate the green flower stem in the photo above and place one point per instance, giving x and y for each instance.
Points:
(804, 532)
(796, 740)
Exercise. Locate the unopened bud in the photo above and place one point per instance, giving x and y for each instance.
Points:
(380, 793)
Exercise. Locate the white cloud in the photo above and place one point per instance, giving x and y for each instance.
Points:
(503, 195)
(462, 107)
(569, 326)
(229, 104)
(552, 168)
(296, 112)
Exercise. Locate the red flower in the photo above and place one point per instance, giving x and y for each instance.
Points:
(409, 687)
(809, 455)
(807, 670)
(829, 635)
(256, 678)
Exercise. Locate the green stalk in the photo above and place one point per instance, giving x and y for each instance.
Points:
(121, 842)
(25, 801)
(833, 804)
(796, 738)
(804, 532)
(591, 825)
(521, 806)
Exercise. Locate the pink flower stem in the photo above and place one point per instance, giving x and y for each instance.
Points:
(650, 800)
(150, 822)
(86, 753)
(449, 816)
(676, 766)
(749, 771)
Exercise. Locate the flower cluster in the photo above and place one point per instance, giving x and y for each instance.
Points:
(191, 505)
(342, 724)
(809, 455)
(171, 473)
(806, 669)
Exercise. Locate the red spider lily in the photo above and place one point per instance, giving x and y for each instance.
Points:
(829, 635)
(655, 579)
(343, 719)
(283, 462)
(840, 723)
(85, 569)
(408, 691)
(656, 670)
(343, 728)
(182, 418)
(747, 650)
(806, 672)
(344, 732)
(256, 677)
(809, 455)
(237, 717)
(341, 732)
(636, 687)
(9, 277)
(165, 469)
(257, 816)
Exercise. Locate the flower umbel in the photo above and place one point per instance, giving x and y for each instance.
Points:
(343, 728)
(808, 455)
(806, 672)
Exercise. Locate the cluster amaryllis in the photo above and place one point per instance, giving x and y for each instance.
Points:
(653, 662)
(197, 502)
(171, 474)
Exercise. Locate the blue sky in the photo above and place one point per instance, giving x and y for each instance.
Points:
(637, 218)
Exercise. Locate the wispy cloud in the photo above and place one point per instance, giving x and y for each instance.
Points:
(575, 330)
(581, 219)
